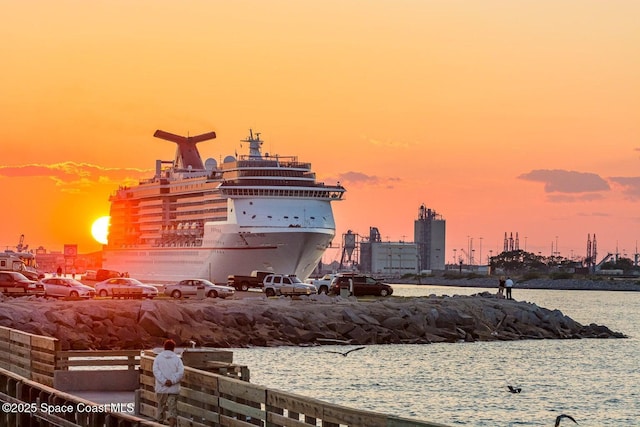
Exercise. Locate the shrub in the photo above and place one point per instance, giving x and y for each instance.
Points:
(530, 276)
(561, 275)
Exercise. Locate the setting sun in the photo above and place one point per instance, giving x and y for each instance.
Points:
(100, 229)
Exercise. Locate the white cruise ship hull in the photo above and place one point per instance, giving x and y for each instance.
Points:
(290, 251)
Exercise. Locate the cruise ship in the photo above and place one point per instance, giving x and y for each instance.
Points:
(196, 219)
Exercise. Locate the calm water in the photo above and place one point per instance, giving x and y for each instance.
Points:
(595, 381)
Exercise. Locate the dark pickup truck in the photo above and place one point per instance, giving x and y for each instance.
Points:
(243, 283)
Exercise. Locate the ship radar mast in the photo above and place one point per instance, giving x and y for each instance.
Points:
(187, 154)
(254, 145)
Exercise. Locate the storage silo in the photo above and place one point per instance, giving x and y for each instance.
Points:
(429, 236)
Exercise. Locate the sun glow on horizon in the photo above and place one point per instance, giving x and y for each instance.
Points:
(100, 229)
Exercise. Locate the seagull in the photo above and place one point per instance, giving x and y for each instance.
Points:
(560, 417)
(346, 352)
(514, 389)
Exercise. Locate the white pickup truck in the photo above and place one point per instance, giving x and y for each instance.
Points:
(283, 284)
(322, 284)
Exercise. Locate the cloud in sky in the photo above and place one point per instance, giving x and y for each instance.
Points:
(567, 198)
(359, 178)
(74, 177)
(631, 185)
(563, 181)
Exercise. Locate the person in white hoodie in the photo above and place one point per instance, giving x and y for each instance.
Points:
(168, 371)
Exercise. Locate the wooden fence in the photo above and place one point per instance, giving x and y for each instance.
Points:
(37, 357)
(30, 403)
(93, 358)
(28, 355)
(218, 394)
(207, 399)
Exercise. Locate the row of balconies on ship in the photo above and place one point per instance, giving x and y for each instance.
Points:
(159, 204)
(326, 193)
(273, 174)
(266, 162)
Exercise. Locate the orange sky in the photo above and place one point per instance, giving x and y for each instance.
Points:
(503, 116)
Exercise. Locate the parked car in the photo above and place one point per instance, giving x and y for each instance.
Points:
(106, 287)
(90, 275)
(359, 285)
(10, 281)
(190, 287)
(65, 287)
(283, 284)
(103, 274)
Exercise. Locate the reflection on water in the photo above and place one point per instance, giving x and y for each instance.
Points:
(596, 381)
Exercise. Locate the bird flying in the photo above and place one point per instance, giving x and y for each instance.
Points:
(560, 417)
(514, 389)
(346, 352)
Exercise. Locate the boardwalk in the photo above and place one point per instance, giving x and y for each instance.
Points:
(45, 386)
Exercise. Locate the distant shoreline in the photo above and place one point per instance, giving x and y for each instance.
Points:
(558, 284)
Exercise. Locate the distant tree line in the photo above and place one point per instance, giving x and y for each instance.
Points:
(519, 261)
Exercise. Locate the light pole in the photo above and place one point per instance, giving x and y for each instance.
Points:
(480, 249)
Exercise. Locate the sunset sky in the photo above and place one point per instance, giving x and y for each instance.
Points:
(503, 116)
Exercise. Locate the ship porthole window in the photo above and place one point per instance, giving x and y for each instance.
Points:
(250, 203)
(269, 216)
(253, 217)
(244, 212)
(286, 217)
(295, 217)
(313, 217)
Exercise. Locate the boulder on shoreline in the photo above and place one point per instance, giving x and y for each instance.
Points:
(259, 321)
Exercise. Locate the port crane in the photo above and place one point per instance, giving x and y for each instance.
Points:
(21, 247)
(469, 257)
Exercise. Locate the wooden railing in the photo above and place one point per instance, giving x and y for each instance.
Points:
(28, 355)
(224, 397)
(93, 358)
(208, 399)
(30, 403)
(87, 370)
(126, 293)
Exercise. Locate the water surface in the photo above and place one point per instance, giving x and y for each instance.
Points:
(597, 381)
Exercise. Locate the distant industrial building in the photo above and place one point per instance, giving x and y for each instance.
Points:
(387, 258)
(398, 258)
(429, 234)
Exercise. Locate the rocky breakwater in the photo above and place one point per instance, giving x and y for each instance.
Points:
(258, 321)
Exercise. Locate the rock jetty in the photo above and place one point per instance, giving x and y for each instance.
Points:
(259, 321)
